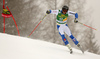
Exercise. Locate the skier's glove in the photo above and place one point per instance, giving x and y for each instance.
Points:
(48, 12)
(76, 21)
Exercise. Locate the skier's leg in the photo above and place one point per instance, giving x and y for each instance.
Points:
(68, 32)
(61, 32)
(66, 43)
(64, 38)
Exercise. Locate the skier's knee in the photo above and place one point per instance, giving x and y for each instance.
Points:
(64, 39)
(74, 39)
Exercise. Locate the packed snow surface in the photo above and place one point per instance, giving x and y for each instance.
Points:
(15, 47)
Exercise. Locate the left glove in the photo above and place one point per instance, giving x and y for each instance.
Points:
(76, 21)
(48, 12)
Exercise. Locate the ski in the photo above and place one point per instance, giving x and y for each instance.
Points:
(71, 51)
(80, 47)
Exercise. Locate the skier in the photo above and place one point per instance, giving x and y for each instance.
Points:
(62, 27)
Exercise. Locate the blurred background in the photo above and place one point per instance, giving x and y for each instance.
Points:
(28, 13)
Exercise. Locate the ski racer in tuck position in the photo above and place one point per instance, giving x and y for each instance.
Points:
(62, 27)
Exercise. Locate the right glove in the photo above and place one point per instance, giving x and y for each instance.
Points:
(76, 21)
(48, 12)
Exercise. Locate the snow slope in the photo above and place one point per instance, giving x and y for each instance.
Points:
(14, 47)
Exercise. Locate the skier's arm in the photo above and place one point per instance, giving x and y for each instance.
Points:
(75, 14)
(52, 11)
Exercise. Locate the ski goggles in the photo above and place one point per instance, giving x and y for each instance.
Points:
(64, 10)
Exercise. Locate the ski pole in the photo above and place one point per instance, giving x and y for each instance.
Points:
(87, 26)
(38, 24)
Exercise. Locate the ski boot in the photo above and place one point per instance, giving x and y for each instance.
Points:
(69, 47)
(80, 47)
